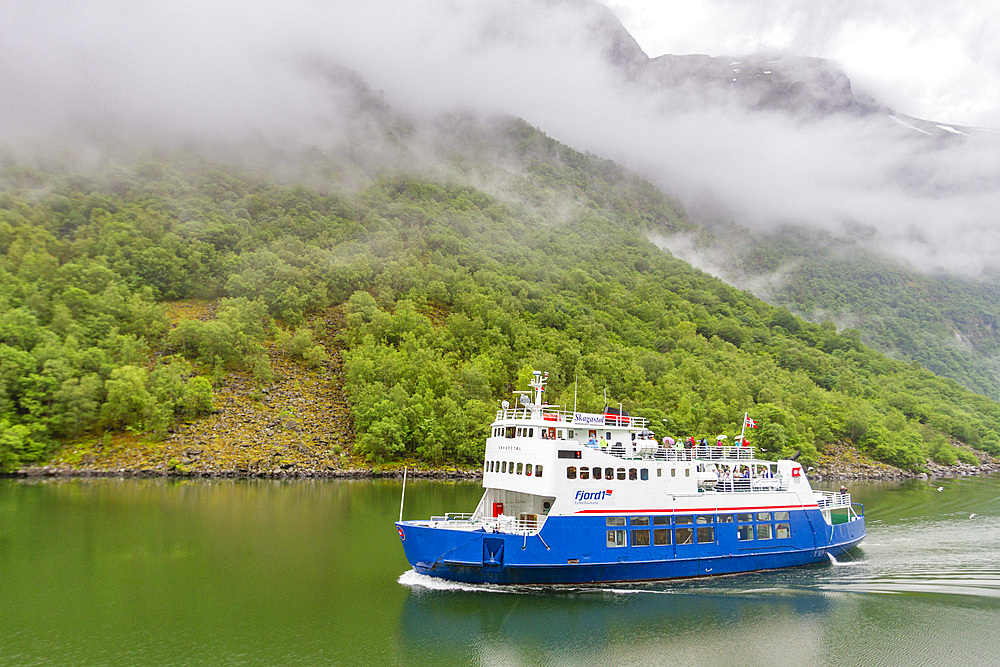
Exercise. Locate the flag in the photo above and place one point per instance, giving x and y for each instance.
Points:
(750, 422)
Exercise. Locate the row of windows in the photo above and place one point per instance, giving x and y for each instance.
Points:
(572, 472)
(749, 526)
(765, 531)
(510, 467)
(529, 432)
(695, 518)
(662, 537)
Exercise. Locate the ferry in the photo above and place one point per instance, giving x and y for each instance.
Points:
(559, 510)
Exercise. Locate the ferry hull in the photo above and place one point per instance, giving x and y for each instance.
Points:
(481, 557)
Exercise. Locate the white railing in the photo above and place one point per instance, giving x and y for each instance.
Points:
(641, 450)
(712, 452)
(527, 524)
(565, 417)
(453, 517)
(777, 483)
(831, 499)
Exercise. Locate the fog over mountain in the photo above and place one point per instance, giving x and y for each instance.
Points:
(760, 139)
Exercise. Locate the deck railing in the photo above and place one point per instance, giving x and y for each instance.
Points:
(644, 451)
(554, 417)
(831, 499)
(776, 483)
(526, 524)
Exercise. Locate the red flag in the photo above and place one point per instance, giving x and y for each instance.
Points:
(750, 422)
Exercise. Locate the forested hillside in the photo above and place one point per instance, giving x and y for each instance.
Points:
(452, 294)
(947, 323)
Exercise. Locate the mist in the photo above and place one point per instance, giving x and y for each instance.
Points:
(294, 75)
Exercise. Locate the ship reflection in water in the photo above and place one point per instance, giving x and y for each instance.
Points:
(693, 620)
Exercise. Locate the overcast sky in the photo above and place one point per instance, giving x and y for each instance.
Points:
(247, 70)
(928, 58)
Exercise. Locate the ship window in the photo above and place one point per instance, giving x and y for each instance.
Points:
(744, 533)
(744, 517)
(661, 537)
(763, 531)
(597, 473)
(781, 516)
(685, 536)
(644, 474)
(724, 518)
(559, 434)
(520, 468)
(661, 520)
(609, 473)
(639, 521)
(616, 538)
(510, 431)
(763, 516)
(510, 467)
(621, 473)
(687, 472)
(706, 534)
(570, 434)
(782, 531)
(704, 518)
(571, 472)
(640, 538)
(683, 518)
(659, 472)
(614, 521)
(538, 471)
(527, 470)
(633, 474)
(503, 468)
(607, 436)
(584, 472)
(673, 472)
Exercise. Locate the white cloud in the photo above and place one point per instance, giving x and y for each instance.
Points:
(929, 59)
(237, 70)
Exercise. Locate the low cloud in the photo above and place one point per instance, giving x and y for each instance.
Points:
(282, 74)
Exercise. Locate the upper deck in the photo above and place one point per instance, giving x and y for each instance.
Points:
(625, 436)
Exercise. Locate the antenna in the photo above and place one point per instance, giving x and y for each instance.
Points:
(402, 496)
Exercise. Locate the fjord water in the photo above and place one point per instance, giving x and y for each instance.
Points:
(107, 571)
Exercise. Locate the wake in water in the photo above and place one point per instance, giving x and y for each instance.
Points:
(842, 563)
(413, 579)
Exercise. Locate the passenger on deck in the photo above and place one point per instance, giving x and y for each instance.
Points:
(603, 443)
(592, 443)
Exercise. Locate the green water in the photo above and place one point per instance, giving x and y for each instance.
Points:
(236, 572)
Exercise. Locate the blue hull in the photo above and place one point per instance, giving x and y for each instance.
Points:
(573, 550)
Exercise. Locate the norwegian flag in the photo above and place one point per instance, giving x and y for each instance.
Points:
(749, 422)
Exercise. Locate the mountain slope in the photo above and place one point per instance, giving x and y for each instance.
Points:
(451, 294)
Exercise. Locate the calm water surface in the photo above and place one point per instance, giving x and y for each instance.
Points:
(236, 572)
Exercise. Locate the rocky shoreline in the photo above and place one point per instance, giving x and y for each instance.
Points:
(845, 467)
(842, 462)
(306, 473)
